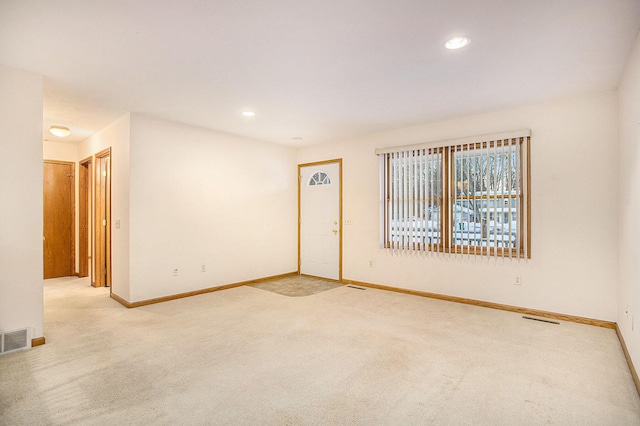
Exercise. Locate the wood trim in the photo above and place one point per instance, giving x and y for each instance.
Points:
(90, 161)
(528, 197)
(58, 162)
(84, 213)
(384, 171)
(102, 198)
(632, 369)
(120, 300)
(320, 163)
(196, 292)
(104, 153)
(97, 240)
(322, 278)
(445, 203)
(341, 225)
(109, 251)
(521, 310)
(38, 341)
(299, 211)
(271, 278)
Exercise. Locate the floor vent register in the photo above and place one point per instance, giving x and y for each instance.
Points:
(14, 340)
(541, 320)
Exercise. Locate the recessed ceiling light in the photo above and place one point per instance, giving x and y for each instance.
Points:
(296, 138)
(457, 42)
(248, 113)
(59, 131)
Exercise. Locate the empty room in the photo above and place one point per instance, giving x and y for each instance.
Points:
(320, 212)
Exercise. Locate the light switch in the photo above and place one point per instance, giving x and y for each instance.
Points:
(118, 223)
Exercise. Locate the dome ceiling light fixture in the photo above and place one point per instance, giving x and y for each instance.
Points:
(59, 131)
(457, 42)
(248, 113)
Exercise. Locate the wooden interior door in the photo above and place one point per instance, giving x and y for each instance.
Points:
(84, 210)
(58, 220)
(102, 223)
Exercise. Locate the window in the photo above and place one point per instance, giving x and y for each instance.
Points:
(319, 178)
(468, 197)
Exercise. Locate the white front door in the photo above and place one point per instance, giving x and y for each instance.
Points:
(320, 230)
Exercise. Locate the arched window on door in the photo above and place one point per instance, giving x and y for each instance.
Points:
(319, 178)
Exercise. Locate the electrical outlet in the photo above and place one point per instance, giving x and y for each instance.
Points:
(518, 280)
(175, 272)
(204, 268)
(371, 264)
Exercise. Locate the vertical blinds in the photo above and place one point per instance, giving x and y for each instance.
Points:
(468, 196)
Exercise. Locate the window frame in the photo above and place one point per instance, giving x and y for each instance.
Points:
(446, 240)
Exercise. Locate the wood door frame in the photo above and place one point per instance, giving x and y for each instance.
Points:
(98, 251)
(73, 209)
(85, 169)
(320, 163)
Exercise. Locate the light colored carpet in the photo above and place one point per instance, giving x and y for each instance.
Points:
(345, 356)
(297, 285)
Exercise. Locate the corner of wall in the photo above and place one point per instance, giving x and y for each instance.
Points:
(117, 137)
(628, 309)
(21, 281)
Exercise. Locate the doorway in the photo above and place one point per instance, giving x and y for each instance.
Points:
(84, 224)
(59, 219)
(102, 222)
(320, 219)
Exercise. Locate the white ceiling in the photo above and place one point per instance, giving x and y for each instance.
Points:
(319, 69)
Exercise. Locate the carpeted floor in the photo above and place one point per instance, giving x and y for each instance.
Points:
(344, 356)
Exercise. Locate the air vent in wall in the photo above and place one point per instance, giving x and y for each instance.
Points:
(14, 340)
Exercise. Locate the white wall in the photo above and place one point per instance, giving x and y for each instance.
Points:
(573, 269)
(21, 281)
(117, 137)
(59, 151)
(205, 197)
(629, 211)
